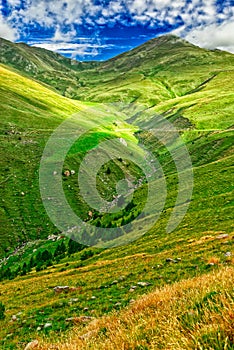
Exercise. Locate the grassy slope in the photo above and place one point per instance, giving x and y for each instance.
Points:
(194, 241)
(48, 67)
(192, 314)
(29, 113)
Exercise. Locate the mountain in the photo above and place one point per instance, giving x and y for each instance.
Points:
(45, 66)
(161, 69)
(165, 79)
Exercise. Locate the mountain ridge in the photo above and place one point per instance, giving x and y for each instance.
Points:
(149, 67)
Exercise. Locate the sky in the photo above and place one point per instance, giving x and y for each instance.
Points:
(101, 29)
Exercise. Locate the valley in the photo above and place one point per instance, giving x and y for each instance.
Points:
(132, 285)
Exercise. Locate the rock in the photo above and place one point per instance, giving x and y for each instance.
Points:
(80, 319)
(131, 290)
(9, 335)
(117, 304)
(47, 325)
(38, 329)
(73, 172)
(171, 260)
(228, 254)
(22, 193)
(52, 238)
(32, 345)
(133, 287)
(87, 335)
(74, 300)
(93, 297)
(60, 289)
(55, 173)
(143, 284)
(86, 309)
(132, 301)
(114, 282)
(222, 236)
(67, 173)
(123, 141)
(14, 318)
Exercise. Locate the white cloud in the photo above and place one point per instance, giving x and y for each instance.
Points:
(6, 31)
(74, 49)
(64, 37)
(201, 18)
(214, 36)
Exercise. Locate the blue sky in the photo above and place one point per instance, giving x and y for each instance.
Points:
(100, 29)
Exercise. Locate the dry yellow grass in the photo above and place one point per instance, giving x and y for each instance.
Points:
(192, 314)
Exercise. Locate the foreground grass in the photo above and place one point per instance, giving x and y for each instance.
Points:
(104, 284)
(193, 314)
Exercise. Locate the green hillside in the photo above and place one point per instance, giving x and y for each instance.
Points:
(48, 67)
(165, 79)
(163, 68)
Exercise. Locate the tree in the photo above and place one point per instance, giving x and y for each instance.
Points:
(74, 247)
(24, 269)
(86, 254)
(31, 262)
(46, 255)
(60, 251)
(2, 311)
(39, 266)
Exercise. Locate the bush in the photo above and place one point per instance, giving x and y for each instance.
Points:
(86, 254)
(2, 311)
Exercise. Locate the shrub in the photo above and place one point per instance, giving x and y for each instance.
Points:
(2, 311)
(86, 254)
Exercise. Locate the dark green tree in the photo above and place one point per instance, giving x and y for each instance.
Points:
(46, 255)
(2, 311)
(74, 247)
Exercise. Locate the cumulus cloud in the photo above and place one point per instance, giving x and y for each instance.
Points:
(214, 36)
(204, 22)
(69, 12)
(74, 49)
(6, 31)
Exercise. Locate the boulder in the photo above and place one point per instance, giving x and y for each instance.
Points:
(223, 236)
(80, 319)
(61, 289)
(47, 325)
(143, 284)
(32, 345)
